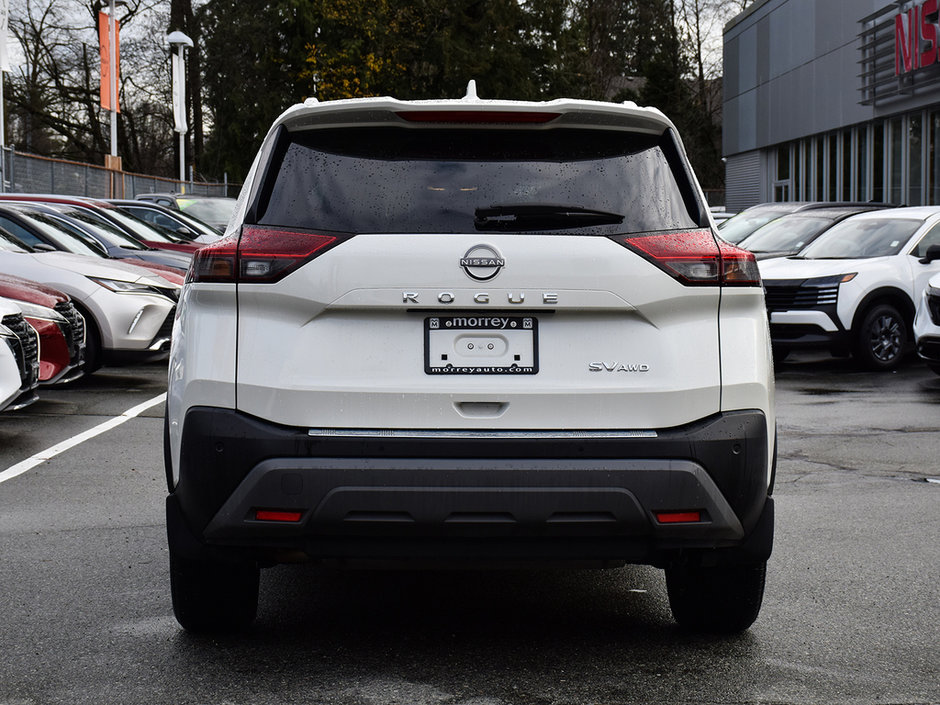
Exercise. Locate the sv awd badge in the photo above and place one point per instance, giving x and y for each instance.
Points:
(618, 367)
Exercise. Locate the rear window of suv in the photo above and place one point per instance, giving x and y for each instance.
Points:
(439, 180)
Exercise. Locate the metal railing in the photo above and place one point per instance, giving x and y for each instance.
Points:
(29, 173)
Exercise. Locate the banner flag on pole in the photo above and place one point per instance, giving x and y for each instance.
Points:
(179, 91)
(104, 41)
(4, 21)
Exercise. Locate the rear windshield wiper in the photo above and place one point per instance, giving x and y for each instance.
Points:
(540, 216)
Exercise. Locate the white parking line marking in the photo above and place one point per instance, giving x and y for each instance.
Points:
(48, 453)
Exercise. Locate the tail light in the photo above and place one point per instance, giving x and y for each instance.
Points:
(258, 254)
(695, 258)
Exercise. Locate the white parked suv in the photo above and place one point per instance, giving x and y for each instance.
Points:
(853, 290)
(465, 330)
(927, 321)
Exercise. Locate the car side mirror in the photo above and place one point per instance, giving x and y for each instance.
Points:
(933, 253)
(43, 247)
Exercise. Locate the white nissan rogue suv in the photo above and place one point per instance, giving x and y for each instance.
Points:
(477, 331)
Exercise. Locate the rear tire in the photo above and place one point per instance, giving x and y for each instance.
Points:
(724, 599)
(881, 338)
(210, 596)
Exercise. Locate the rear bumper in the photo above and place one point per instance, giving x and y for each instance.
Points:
(517, 498)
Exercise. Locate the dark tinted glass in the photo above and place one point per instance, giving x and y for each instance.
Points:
(397, 180)
(103, 230)
(63, 239)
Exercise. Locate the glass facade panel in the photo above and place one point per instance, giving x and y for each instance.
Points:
(891, 161)
(846, 155)
(797, 171)
(819, 170)
(833, 173)
(896, 161)
(933, 158)
(915, 169)
(861, 164)
(783, 163)
(878, 163)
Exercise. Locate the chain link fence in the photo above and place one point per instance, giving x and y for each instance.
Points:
(28, 173)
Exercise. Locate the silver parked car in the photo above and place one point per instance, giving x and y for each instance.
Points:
(128, 311)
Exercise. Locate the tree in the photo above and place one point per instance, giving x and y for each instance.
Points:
(483, 40)
(356, 50)
(702, 21)
(425, 49)
(51, 110)
(253, 58)
(598, 47)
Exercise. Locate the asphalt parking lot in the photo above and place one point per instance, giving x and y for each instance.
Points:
(850, 614)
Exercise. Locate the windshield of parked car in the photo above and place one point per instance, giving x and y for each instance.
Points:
(858, 238)
(735, 229)
(787, 234)
(8, 243)
(445, 180)
(177, 222)
(209, 210)
(40, 228)
(102, 230)
(139, 229)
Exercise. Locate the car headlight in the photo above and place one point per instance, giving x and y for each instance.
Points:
(835, 279)
(41, 312)
(120, 286)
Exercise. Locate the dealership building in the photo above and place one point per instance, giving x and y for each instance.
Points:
(832, 100)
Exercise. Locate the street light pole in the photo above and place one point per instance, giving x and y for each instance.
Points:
(4, 67)
(179, 42)
(112, 64)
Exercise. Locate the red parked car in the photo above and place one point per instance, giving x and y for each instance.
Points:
(61, 328)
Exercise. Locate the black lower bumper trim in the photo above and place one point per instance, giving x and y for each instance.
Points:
(928, 348)
(228, 461)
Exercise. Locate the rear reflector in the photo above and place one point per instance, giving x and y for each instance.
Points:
(695, 257)
(281, 515)
(476, 117)
(678, 517)
(258, 255)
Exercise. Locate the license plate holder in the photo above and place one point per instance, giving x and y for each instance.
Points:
(481, 345)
